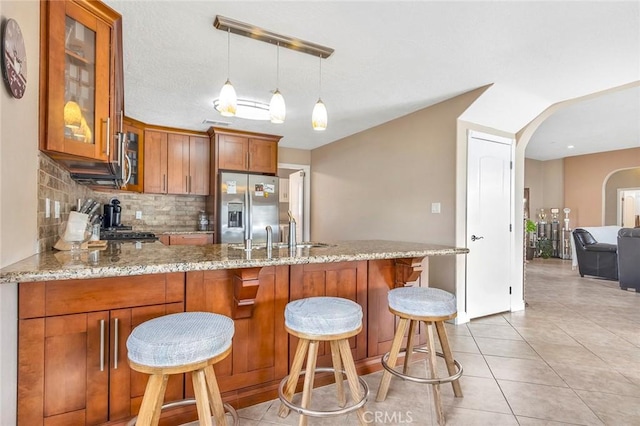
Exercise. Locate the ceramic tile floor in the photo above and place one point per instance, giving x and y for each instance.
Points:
(572, 357)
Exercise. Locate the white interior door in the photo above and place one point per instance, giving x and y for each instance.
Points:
(489, 192)
(296, 201)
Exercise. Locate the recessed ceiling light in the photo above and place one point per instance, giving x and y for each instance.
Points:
(570, 147)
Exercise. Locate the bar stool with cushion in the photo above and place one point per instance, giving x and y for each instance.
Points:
(431, 306)
(176, 344)
(321, 319)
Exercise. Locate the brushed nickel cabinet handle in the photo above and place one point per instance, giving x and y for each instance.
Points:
(115, 345)
(164, 183)
(108, 139)
(190, 188)
(101, 345)
(248, 163)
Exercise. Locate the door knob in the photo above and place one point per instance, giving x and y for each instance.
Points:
(473, 238)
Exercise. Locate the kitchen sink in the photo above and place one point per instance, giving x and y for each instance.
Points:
(278, 246)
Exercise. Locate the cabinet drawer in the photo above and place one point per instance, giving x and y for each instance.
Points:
(190, 239)
(98, 294)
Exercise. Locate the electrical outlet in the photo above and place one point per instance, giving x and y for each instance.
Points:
(56, 209)
(435, 207)
(47, 208)
(138, 214)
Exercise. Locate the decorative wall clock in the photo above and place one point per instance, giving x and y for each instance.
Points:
(14, 59)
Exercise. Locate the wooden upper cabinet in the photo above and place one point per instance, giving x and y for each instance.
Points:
(80, 54)
(252, 153)
(155, 160)
(199, 165)
(176, 163)
(233, 152)
(263, 156)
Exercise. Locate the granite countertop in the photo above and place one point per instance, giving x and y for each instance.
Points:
(130, 258)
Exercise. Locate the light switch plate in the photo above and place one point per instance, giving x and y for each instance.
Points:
(435, 207)
(56, 209)
(138, 214)
(47, 208)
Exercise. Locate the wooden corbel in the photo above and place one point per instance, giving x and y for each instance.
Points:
(408, 270)
(245, 291)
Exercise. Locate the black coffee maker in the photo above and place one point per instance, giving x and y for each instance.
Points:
(112, 214)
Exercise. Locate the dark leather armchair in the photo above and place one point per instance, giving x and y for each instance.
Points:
(594, 258)
(629, 258)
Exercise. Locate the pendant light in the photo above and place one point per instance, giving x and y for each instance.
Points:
(228, 98)
(319, 115)
(277, 108)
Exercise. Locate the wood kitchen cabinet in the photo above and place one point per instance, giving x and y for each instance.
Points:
(81, 82)
(241, 153)
(343, 279)
(186, 239)
(259, 353)
(72, 357)
(385, 275)
(176, 163)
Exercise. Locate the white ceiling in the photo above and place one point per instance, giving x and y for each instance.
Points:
(391, 58)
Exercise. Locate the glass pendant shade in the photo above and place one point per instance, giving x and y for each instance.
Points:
(319, 116)
(277, 108)
(228, 100)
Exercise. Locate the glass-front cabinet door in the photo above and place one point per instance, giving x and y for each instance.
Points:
(79, 115)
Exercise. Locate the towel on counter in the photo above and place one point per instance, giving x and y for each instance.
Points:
(602, 234)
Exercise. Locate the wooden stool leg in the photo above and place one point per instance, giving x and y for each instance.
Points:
(294, 375)
(448, 357)
(352, 376)
(337, 365)
(431, 359)
(308, 379)
(215, 400)
(202, 397)
(149, 413)
(407, 356)
(393, 358)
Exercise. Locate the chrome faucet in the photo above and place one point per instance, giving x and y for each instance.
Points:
(292, 231)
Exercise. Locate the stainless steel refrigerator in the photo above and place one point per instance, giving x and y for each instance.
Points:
(248, 203)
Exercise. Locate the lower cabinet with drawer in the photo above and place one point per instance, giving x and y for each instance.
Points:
(186, 239)
(72, 355)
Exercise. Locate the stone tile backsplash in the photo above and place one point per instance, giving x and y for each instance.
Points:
(160, 213)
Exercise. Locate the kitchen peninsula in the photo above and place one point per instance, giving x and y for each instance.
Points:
(76, 314)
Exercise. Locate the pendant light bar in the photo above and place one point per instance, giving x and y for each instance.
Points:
(257, 33)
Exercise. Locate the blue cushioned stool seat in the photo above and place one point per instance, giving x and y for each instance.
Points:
(422, 301)
(323, 315)
(180, 339)
(185, 342)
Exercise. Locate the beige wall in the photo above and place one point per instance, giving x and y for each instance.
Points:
(533, 172)
(18, 192)
(294, 156)
(381, 183)
(584, 179)
(545, 182)
(629, 178)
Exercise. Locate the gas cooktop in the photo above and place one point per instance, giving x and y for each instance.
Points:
(127, 235)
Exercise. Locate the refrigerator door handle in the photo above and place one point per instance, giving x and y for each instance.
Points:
(247, 221)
